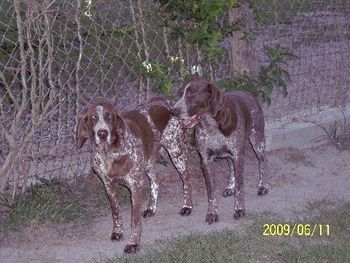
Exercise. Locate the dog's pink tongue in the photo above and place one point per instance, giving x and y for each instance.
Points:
(187, 122)
(190, 121)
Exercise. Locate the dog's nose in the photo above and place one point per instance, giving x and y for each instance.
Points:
(102, 134)
(175, 111)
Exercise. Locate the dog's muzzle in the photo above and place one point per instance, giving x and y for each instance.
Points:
(188, 122)
(102, 134)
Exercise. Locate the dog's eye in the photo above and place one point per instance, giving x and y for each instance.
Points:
(189, 94)
(108, 115)
(178, 93)
(94, 117)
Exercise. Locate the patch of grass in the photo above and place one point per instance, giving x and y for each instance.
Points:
(56, 201)
(332, 248)
(251, 245)
(338, 252)
(194, 248)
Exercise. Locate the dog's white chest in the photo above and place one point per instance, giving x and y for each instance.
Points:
(101, 163)
(102, 160)
(208, 136)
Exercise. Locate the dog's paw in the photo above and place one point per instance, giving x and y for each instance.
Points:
(131, 248)
(148, 213)
(185, 211)
(228, 192)
(116, 236)
(238, 213)
(263, 190)
(212, 218)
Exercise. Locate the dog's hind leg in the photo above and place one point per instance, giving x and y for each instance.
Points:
(175, 141)
(152, 203)
(180, 163)
(257, 140)
(178, 156)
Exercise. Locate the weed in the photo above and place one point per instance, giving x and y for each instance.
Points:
(338, 133)
(270, 76)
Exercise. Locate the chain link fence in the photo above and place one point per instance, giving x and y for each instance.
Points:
(56, 57)
(318, 33)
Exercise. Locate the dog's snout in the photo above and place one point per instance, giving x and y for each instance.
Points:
(102, 134)
(176, 111)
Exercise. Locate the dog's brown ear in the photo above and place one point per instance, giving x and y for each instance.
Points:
(119, 129)
(223, 115)
(83, 131)
(119, 125)
(216, 99)
(226, 120)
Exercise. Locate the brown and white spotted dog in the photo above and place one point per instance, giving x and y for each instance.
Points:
(223, 122)
(125, 146)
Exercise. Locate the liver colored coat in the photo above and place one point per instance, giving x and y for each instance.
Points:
(223, 122)
(125, 146)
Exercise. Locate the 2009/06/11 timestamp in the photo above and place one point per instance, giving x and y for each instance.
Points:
(296, 230)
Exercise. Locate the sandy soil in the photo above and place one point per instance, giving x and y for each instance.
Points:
(296, 177)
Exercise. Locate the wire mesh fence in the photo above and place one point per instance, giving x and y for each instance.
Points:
(318, 34)
(58, 56)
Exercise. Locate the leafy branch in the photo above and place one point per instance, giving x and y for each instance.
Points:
(270, 76)
(162, 73)
(196, 20)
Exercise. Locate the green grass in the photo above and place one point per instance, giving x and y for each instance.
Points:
(57, 202)
(251, 246)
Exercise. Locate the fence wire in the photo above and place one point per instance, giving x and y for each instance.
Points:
(317, 32)
(58, 56)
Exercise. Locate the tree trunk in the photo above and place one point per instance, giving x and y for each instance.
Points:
(241, 52)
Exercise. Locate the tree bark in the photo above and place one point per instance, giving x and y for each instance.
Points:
(241, 52)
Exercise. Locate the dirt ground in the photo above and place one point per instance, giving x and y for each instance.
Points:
(296, 177)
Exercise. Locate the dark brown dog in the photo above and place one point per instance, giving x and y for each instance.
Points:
(223, 123)
(125, 146)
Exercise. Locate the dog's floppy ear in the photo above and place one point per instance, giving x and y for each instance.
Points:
(83, 131)
(118, 127)
(216, 99)
(224, 117)
(226, 120)
(119, 124)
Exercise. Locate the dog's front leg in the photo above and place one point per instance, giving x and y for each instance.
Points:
(238, 164)
(213, 215)
(230, 188)
(175, 141)
(134, 241)
(111, 190)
